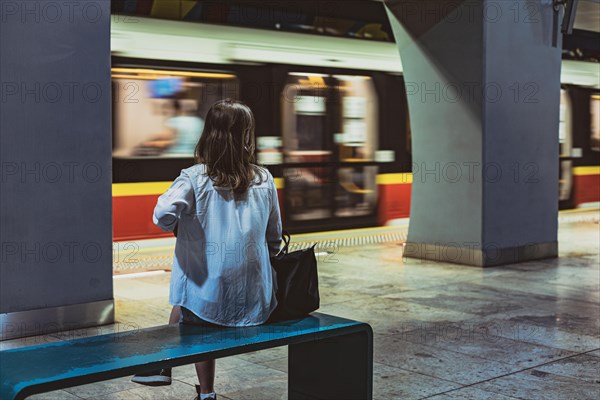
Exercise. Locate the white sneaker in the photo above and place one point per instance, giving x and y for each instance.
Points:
(213, 397)
(154, 378)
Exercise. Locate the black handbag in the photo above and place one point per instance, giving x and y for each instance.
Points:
(297, 282)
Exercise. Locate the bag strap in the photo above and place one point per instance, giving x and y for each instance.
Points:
(286, 240)
(285, 236)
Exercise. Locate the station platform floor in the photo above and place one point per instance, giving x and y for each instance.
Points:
(442, 331)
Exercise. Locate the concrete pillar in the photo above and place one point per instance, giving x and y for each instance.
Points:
(55, 159)
(483, 83)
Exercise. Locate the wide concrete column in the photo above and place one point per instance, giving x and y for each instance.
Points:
(55, 166)
(483, 83)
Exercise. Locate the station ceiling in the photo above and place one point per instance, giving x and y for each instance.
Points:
(587, 16)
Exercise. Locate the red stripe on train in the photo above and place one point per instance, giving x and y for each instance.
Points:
(132, 218)
(586, 189)
(394, 202)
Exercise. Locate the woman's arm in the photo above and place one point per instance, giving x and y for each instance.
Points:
(175, 201)
(274, 227)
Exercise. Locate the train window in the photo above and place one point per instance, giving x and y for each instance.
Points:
(565, 138)
(305, 118)
(595, 122)
(160, 113)
(306, 140)
(564, 128)
(308, 193)
(329, 123)
(356, 192)
(358, 140)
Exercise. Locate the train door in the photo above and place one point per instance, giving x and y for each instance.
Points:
(595, 122)
(330, 136)
(565, 137)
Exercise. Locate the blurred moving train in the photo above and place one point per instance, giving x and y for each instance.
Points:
(331, 112)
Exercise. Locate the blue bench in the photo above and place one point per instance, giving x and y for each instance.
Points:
(329, 357)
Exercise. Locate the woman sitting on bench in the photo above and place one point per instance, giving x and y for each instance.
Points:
(226, 216)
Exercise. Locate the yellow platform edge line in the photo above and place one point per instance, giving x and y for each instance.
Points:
(580, 210)
(591, 170)
(383, 229)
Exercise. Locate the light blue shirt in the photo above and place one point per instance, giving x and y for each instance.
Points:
(221, 269)
(188, 131)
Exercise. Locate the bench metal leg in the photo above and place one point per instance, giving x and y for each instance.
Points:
(338, 368)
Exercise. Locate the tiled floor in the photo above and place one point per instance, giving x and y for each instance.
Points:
(442, 331)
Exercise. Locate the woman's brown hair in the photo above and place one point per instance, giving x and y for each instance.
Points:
(226, 146)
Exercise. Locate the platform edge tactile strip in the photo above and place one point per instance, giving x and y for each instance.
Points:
(164, 262)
